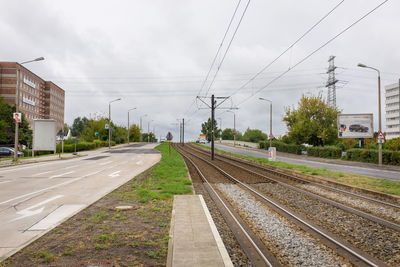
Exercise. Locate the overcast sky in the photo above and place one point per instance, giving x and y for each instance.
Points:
(155, 55)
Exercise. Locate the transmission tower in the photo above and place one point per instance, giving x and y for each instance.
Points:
(331, 84)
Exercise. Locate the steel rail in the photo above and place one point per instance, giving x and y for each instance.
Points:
(334, 203)
(285, 175)
(261, 254)
(279, 207)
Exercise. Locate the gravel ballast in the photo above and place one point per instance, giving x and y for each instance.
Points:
(379, 210)
(291, 245)
(373, 238)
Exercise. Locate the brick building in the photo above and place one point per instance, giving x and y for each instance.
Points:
(38, 99)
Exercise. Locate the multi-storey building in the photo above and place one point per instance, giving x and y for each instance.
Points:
(392, 110)
(38, 99)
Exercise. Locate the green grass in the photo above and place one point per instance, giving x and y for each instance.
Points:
(45, 257)
(101, 246)
(375, 184)
(168, 178)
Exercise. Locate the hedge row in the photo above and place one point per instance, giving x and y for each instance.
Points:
(282, 147)
(371, 155)
(332, 152)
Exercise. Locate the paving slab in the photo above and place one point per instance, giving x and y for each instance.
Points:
(195, 240)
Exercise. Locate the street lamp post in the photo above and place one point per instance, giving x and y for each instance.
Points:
(234, 127)
(270, 120)
(379, 110)
(148, 131)
(141, 122)
(128, 122)
(109, 122)
(16, 137)
(220, 125)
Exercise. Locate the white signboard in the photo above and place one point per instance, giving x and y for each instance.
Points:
(44, 135)
(28, 101)
(355, 126)
(28, 82)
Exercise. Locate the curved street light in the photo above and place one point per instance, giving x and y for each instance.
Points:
(379, 110)
(128, 122)
(109, 121)
(270, 120)
(16, 137)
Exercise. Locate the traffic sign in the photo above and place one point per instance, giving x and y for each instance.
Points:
(380, 136)
(97, 134)
(106, 126)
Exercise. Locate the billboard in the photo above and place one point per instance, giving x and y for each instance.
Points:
(44, 135)
(355, 126)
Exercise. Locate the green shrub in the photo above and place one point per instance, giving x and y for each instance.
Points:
(282, 147)
(371, 155)
(324, 151)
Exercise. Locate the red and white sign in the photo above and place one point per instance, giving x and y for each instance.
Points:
(381, 136)
(17, 117)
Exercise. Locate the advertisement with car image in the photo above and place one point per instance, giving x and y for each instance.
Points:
(355, 126)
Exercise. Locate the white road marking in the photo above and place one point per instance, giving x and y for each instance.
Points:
(55, 217)
(44, 189)
(71, 167)
(40, 173)
(59, 175)
(114, 174)
(105, 163)
(3, 182)
(29, 212)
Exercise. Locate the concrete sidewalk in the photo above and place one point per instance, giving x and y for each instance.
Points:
(194, 238)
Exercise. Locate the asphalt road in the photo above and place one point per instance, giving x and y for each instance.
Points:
(34, 198)
(368, 171)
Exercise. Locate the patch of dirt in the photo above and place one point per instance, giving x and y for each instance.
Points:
(104, 236)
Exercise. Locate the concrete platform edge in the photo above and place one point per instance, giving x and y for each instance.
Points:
(220, 244)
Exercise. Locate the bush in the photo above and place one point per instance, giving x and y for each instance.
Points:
(371, 155)
(282, 147)
(324, 151)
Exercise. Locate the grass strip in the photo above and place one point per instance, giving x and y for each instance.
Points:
(371, 183)
(167, 179)
(103, 235)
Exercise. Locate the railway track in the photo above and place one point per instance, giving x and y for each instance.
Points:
(343, 251)
(373, 209)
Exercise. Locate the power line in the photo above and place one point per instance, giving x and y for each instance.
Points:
(227, 49)
(290, 47)
(315, 51)
(216, 55)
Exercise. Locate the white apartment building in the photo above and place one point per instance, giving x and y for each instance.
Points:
(392, 110)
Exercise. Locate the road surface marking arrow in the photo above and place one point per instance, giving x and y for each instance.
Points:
(30, 212)
(114, 174)
(59, 175)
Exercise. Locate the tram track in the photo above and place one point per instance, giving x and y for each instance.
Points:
(346, 250)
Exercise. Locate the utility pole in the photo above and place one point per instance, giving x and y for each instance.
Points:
(212, 126)
(213, 106)
(183, 131)
(331, 84)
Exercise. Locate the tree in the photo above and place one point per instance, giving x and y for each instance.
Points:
(149, 137)
(254, 135)
(206, 129)
(227, 134)
(134, 133)
(66, 129)
(78, 126)
(314, 122)
(169, 136)
(7, 126)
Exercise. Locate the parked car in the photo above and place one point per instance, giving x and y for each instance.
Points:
(8, 152)
(358, 128)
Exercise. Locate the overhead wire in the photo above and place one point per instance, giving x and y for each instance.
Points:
(227, 49)
(216, 55)
(315, 51)
(290, 47)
